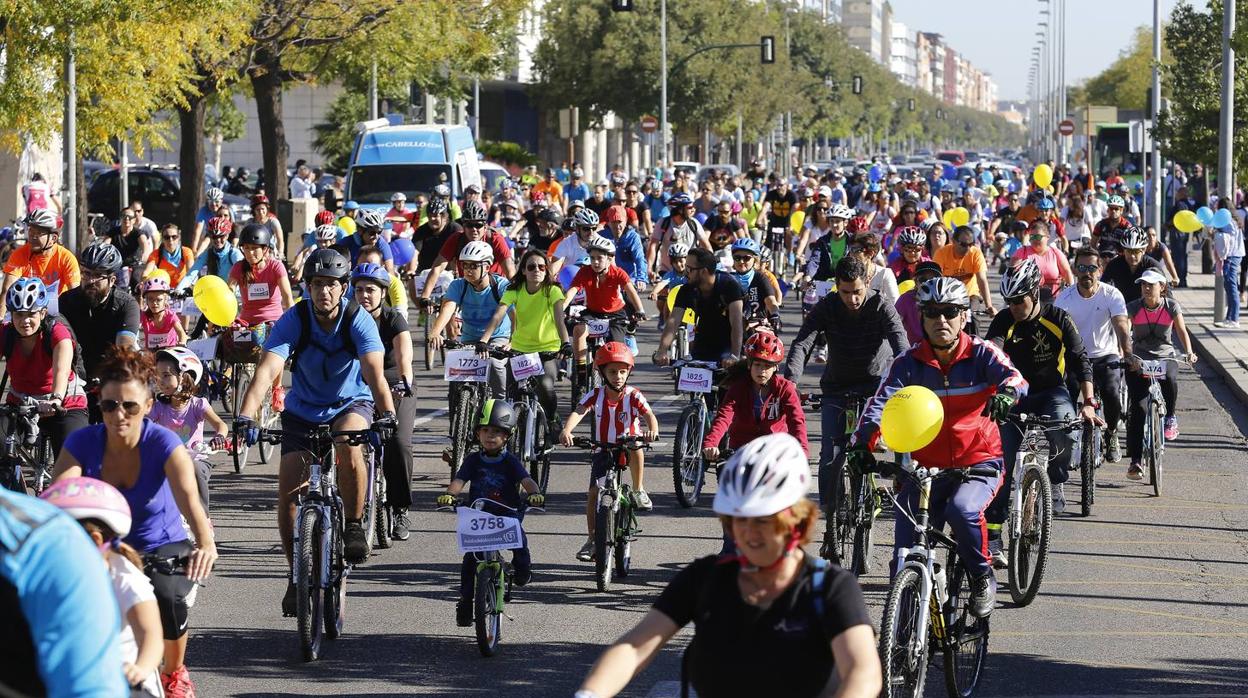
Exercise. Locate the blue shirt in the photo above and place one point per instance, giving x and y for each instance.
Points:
(67, 601)
(325, 379)
(353, 244)
(205, 214)
(673, 279)
(477, 308)
(226, 259)
(577, 192)
(658, 206)
(496, 477)
(630, 254)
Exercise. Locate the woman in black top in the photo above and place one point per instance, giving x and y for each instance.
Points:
(770, 620)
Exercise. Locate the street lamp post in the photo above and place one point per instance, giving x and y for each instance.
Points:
(663, 83)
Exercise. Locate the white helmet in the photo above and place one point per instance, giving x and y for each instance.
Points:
(1133, 238)
(327, 232)
(1021, 280)
(398, 196)
(186, 360)
(944, 290)
(842, 211)
(766, 476)
(678, 249)
(601, 243)
(43, 218)
(477, 251)
(215, 195)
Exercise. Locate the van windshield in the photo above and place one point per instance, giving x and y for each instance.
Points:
(375, 184)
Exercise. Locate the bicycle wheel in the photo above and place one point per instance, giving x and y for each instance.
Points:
(903, 642)
(241, 381)
(369, 522)
(309, 594)
(966, 643)
(487, 615)
(541, 449)
(1154, 450)
(1029, 552)
(519, 441)
(604, 532)
(426, 321)
(688, 470)
(623, 546)
(381, 522)
(1090, 441)
(223, 383)
(336, 589)
(461, 426)
(865, 526)
(838, 536)
(267, 420)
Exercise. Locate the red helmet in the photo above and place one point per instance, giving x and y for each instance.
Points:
(221, 225)
(324, 217)
(765, 346)
(857, 224)
(613, 352)
(259, 199)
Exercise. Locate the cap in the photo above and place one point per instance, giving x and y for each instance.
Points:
(1151, 276)
(928, 265)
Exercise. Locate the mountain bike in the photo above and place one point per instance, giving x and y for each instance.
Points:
(25, 447)
(849, 530)
(468, 392)
(585, 378)
(531, 440)
(241, 349)
(376, 506)
(1154, 418)
(779, 253)
(615, 519)
(695, 379)
(429, 313)
(927, 609)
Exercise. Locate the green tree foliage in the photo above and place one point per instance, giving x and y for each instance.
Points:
(1124, 84)
(506, 153)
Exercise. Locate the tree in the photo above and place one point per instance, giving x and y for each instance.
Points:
(223, 122)
(1124, 84)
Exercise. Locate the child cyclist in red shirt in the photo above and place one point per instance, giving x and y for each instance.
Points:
(618, 411)
(606, 287)
(757, 402)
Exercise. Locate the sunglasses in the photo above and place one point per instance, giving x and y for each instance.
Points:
(170, 237)
(535, 267)
(109, 406)
(912, 248)
(742, 257)
(475, 225)
(1086, 268)
(948, 312)
(1016, 301)
(129, 218)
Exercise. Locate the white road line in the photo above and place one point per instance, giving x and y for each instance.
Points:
(666, 689)
(429, 417)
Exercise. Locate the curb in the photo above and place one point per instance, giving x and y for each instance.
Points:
(1228, 367)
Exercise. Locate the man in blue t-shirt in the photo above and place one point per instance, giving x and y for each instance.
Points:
(337, 379)
(578, 190)
(60, 626)
(368, 233)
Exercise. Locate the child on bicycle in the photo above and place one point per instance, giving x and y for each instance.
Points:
(161, 326)
(618, 411)
(178, 371)
(606, 288)
(493, 473)
(757, 401)
(678, 252)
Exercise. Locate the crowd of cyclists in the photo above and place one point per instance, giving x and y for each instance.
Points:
(894, 291)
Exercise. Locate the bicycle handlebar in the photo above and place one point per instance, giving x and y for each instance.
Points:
(693, 363)
(630, 443)
(1046, 422)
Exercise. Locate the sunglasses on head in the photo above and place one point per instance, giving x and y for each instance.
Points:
(109, 406)
(1086, 268)
(948, 312)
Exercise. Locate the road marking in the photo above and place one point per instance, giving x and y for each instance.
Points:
(430, 417)
(1206, 506)
(666, 689)
(1206, 540)
(1131, 583)
(1154, 568)
(1142, 612)
(1114, 633)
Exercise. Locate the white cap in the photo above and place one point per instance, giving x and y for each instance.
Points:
(1151, 276)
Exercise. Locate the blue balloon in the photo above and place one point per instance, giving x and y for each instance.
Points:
(949, 171)
(565, 277)
(1221, 219)
(874, 173)
(985, 179)
(1205, 215)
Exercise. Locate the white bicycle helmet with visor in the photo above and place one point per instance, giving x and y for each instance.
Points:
(944, 290)
(766, 476)
(477, 251)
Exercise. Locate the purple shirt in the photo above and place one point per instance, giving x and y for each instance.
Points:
(908, 308)
(188, 423)
(156, 520)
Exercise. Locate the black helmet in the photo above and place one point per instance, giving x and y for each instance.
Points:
(255, 234)
(435, 206)
(101, 257)
(498, 413)
(550, 215)
(474, 211)
(326, 262)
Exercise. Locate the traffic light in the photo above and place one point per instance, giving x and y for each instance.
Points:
(911, 104)
(857, 84)
(621, 5)
(768, 46)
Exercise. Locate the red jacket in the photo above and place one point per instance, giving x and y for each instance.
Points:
(780, 412)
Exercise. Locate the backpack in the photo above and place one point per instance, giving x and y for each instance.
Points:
(498, 295)
(304, 313)
(10, 340)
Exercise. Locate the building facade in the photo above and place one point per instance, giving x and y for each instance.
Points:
(904, 59)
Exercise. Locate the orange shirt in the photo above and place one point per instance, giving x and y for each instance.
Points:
(58, 268)
(962, 268)
(552, 190)
(175, 272)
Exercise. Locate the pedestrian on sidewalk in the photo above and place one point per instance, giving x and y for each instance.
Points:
(1228, 252)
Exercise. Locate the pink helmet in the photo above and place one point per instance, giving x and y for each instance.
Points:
(88, 498)
(155, 284)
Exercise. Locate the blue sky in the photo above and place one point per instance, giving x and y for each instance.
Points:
(997, 35)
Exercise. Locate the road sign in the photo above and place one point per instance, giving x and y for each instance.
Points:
(649, 124)
(1066, 128)
(1139, 136)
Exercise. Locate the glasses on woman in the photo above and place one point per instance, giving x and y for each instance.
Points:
(109, 406)
(170, 237)
(740, 258)
(535, 267)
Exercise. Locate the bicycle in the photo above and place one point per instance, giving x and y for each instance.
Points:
(1154, 415)
(240, 350)
(1092, 450)
(855, 502)
(467, 395)
(688, 324)
(779, 253)
(531, 440)
(696, 379)
(25, 445)
(584, 377)
(429, 312)
(615, 518)
(928, 605)
(493, 580)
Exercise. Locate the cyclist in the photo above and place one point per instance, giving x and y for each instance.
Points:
(323, 236)
(161, 326)
(475, 296)
(828, 250)
(609, 294)
(619, 409)
(260, 278)
(59, 620)
(1052, 262)
(679, 226)
(678, 253)
(398, 215)
(535, 303)
(220, 256)
(580, 228)
(1155, 319)
(369, 225)
(771, 606)
(912, 242)
(1004, 217)
(42, 257)
(493, 473)
(213, 201)
(1107, 231)
(866, 248)
(395, 296)
(1124, 271)
(337, 377)
(370, 282)
(863, 333)
(757, 401)
(171, 257)
(976, 384)
(178, 371)
(39, 355)
(963, 260)
(1100, 314)
(630, 253)
(718, 301)
(433, 233)
(148, 463)
(907, 304)
(473, 228)
(760, 302)
(1042, 341)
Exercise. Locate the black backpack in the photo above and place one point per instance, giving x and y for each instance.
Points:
(10, 340)
(304, 313)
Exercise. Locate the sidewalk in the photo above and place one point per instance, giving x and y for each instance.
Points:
(1224, 350)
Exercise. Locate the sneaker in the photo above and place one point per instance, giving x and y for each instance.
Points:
(446, 454)
(1112, 451)
(821, 355)
(643, 500)
(354, 543)
(1059, 499)
(290, 601)
(586, 553)
(983, 595)
(399, 529)
(522, 577)
(1135, 471)
(996, 554)
(463, 614)
(177, 683)
(1171, 430)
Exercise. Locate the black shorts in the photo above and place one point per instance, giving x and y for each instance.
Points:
(295, 429)
(599, 464)
(172, 590)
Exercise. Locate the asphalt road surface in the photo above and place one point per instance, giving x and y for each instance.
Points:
(1146, 597)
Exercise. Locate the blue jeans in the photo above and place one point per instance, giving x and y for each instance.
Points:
(1230, 281)
(1178, 251)
(961, 505)
(834, 439)
(1054, 403)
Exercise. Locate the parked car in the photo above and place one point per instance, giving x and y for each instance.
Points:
(158, 188)
(955, 157)
(707, 170)
(686, 166)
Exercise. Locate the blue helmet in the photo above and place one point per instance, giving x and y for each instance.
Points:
(747, 245)
(350, 206)
(1045, 204)
(369, 271)
(679, 200)
(27, 295)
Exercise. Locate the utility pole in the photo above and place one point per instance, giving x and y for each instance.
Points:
(372, 92)
(1155, 110)
(1226, 184)
(663, 84)
(69, 200)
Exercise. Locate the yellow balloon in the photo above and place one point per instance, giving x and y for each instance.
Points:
(215, 300)
(1042, 175)
(960, 216)
(912, 419)
(691, 318)
(947, 219)
(905, 286)
(1187, 222)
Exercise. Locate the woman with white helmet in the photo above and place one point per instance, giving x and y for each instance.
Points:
(770, 620)
(476, 296)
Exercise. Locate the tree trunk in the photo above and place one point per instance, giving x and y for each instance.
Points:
(267, 86)
(80, 207)
(191, 163)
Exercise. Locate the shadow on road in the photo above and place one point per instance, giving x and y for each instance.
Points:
(1166, 677)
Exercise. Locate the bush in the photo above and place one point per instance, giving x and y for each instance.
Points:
(506, 153)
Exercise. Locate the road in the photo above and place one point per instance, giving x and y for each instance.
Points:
(1146, 597)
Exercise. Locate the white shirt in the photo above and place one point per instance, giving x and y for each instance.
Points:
(147, 226)
(300, 189)
(1228, 243)
(131, 587)
(884, 283)
(1093, 317)
(571, 252)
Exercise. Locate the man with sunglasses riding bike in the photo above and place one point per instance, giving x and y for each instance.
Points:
(474, 229)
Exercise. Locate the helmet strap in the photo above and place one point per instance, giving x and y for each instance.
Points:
(790, 545)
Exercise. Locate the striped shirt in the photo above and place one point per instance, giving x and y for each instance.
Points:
(615, 419)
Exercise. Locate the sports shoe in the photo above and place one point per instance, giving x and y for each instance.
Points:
(983, 595)
(996, 554)
(1135, 471)
(463, 614)
(586, 553)
(1059, 499)
(401, 524)
(290, 601)
(1171, 430)
(354, 543)
(446, 454)
(643, 500)
(522, 577)
(177, 683)
(1112, 451)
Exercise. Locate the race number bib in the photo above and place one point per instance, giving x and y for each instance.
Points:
(241, 336)
(1153, 369)
(205, 349)
(526, 366)
(464, 366)
(598, 327)
(178, 306)
(479, 532)
(694, 380)
(257, 292)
